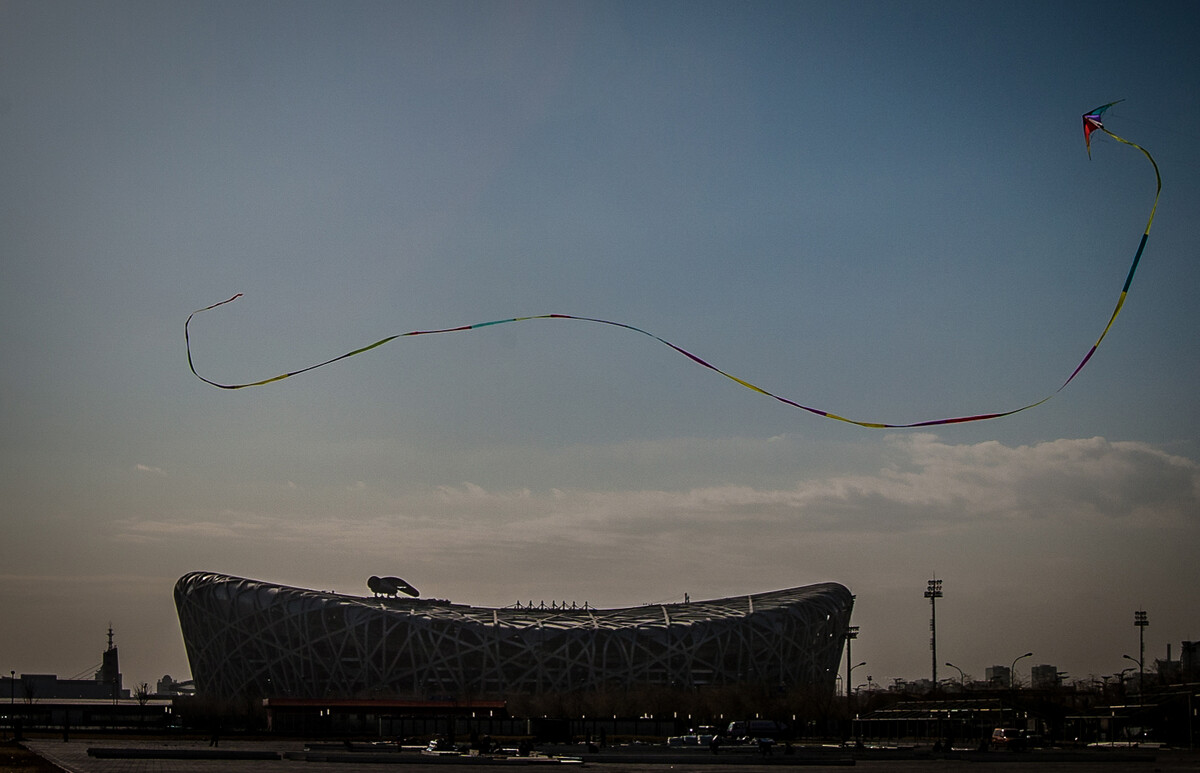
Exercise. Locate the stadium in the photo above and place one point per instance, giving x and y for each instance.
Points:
(246, 638)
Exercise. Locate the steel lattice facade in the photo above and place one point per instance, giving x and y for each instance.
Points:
(251, 638)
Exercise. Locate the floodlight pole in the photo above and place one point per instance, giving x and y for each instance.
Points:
(851, 635)
(933, 592)
(1141, 621)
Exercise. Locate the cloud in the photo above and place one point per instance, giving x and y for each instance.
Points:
(1060, 479)
(926, 485)
(149, 469)
(146, 531)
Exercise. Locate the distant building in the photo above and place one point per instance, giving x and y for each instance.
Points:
(167, 686)
(30, 688)
(1189, 661)
(110, 668)
(1186, 669)
(998, 676)
(918, 686)
(246, 638)
(1045, 677)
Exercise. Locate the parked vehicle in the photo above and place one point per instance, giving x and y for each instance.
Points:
(1009, 738)
(749, 731)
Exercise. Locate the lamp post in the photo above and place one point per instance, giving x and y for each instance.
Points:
(962, 679)
(933, 592)
(1012, 672)
(1141, 674)
(1121, 681)
(850, 670)
(852, 702)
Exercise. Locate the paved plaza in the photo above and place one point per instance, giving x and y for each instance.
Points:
(290, 757)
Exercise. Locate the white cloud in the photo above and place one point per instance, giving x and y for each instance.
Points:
(144, 531)
(926, 486)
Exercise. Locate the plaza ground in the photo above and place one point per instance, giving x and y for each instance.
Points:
(73, 756)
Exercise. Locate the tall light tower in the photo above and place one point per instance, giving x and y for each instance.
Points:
(933, 592)
(1140, 620)
(851, 635)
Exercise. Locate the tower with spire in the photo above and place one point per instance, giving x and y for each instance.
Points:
(110, 669)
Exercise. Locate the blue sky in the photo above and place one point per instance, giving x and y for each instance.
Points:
(883, 210)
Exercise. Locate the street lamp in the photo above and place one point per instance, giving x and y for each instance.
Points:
(962, 679)
(850, 702)
(1141, 676)
(1121, 679)
(1012, 672)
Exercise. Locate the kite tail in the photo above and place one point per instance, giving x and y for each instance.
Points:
(1137, 257)
(679, 349)
(1091, 123)
(1157, 190)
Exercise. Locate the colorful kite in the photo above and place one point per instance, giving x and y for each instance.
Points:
(1092, 122)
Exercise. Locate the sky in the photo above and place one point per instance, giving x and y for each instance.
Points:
(883, 210)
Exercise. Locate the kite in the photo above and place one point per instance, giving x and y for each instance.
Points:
(1092, 122)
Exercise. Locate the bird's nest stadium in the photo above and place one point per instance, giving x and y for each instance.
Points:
(246, 638)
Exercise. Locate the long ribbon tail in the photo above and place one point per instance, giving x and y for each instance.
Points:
(699, 361)
(1137, 257)
(693, 357)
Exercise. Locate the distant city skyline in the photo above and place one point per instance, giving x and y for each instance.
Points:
(883, 210)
